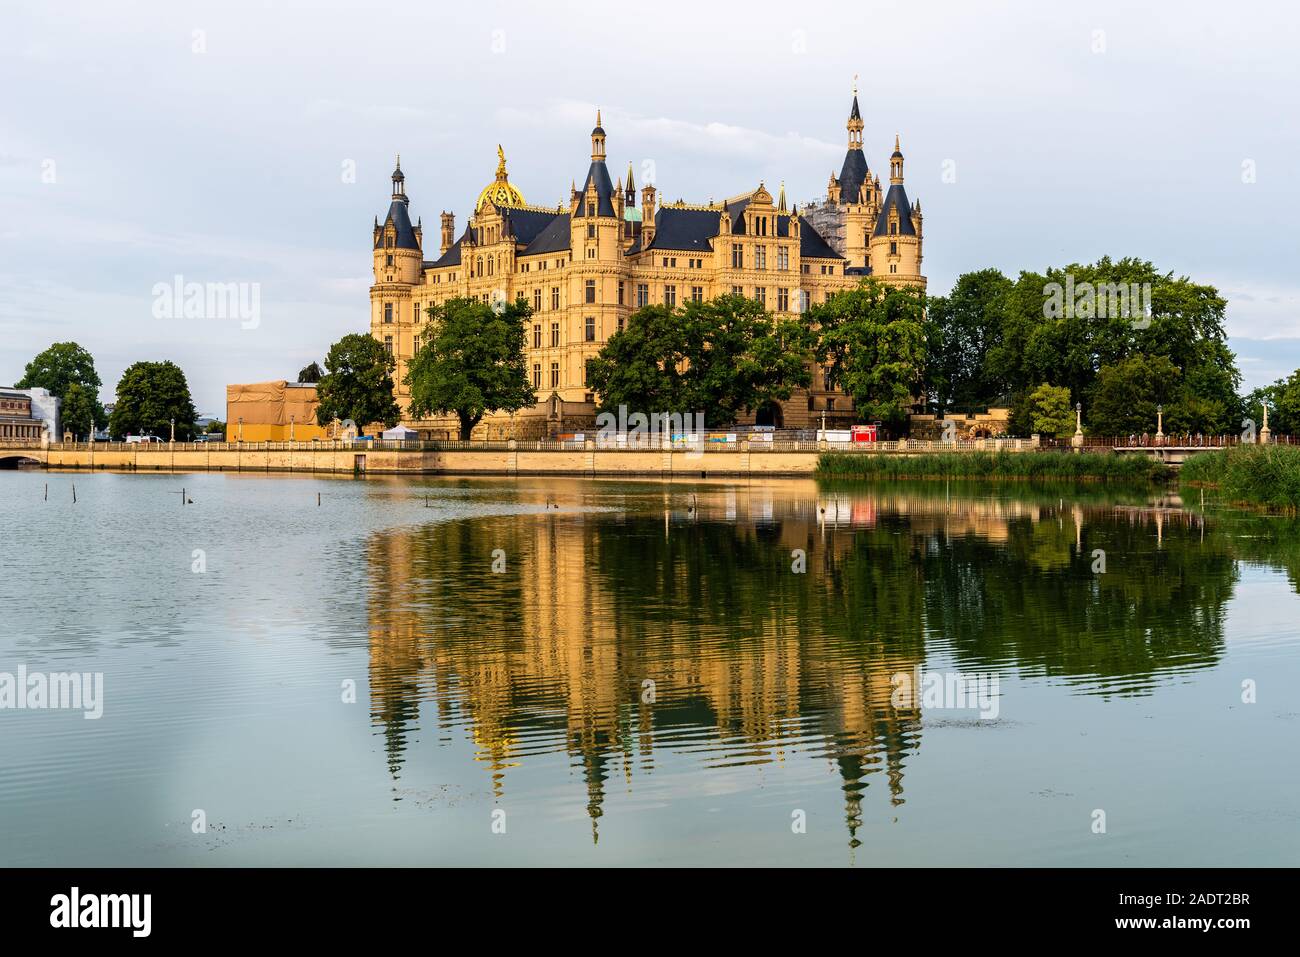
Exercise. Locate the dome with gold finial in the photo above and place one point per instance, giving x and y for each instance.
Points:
(500, 191)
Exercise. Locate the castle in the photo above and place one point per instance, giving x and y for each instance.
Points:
(586, 268)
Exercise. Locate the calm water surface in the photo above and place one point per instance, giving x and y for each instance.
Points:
(527, 689)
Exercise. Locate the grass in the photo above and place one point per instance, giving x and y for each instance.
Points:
(1264, 476)
(1091, 466)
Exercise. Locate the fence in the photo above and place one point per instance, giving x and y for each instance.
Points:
(1185, 440)
(642, 443)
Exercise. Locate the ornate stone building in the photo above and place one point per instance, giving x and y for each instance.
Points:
(586, 267)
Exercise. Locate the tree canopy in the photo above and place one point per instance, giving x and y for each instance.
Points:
(150, 396)
(1077, 325)
(876, 340)
(80, 411)
(59, 366)
(358, 383)
(67, 371)
(472, 362)
(718, 358)
(967, 323)
(1050, 412)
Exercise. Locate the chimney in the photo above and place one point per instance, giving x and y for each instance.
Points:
(647, 216)
(448, 232)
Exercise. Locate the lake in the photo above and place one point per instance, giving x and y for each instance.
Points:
(603, 672)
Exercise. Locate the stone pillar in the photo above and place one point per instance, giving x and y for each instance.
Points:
(1077, 440)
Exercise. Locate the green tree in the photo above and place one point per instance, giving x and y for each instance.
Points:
(473, 362)
(741, 357)
(968, 323)
(310, 373)
(1283, 400)
(1126, 394)
(79, 411)
(150, 396)
(720, 358)
(1065, 325)
(877, 340)
(1049, 411)
(58, 367)
(643, 366)
(358, 383)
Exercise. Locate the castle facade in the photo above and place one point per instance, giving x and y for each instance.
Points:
(586, 268)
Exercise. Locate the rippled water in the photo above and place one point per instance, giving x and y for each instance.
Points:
(615, 672)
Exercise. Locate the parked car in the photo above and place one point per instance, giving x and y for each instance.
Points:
(132, 439)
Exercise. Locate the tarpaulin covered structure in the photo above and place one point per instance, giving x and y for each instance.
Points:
(270, 411)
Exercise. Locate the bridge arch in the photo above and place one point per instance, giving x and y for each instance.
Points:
(14, 460)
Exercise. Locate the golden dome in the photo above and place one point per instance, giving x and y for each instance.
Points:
(500, 191)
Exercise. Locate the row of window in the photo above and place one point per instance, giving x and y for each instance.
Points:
(486, 267)
(537, 375)
(803, 300)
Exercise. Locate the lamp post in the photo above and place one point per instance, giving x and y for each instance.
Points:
(291, 418)
(1077, 440)
(1160, 425)
(241, 429)
(173, 438)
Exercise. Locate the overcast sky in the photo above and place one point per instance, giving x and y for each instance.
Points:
(213, 141)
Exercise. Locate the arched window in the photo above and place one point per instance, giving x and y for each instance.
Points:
(478, 266)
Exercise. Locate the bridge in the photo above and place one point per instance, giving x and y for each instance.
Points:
(650, 456)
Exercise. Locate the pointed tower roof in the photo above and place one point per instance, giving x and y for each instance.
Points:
(854, 172)
(398, 213)
(630, 183)
(597, 176)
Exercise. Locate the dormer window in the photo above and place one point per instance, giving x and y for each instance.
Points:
(893, 227)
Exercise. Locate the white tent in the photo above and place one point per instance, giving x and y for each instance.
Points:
(400, 433)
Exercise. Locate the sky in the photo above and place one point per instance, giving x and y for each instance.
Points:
(252, 143)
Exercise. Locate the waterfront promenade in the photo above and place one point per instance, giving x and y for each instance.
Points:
(456, 458)
(554, 457)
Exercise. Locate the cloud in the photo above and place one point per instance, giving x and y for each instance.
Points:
(1260, 311)
(678, 135)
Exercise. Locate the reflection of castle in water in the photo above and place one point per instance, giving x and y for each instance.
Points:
(750, 663)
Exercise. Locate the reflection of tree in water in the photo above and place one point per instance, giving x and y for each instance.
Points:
(1158, 608)
(752, 663)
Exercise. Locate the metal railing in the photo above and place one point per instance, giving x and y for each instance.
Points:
(656, 443)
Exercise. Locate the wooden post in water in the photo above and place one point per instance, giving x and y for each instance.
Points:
(318, 499)
(74, 493)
